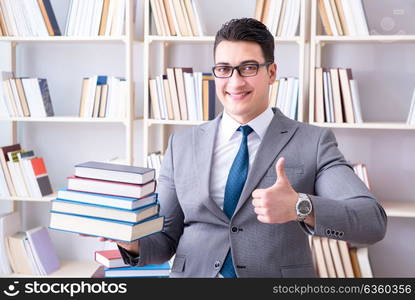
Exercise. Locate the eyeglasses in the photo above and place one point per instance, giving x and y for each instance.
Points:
(244, 70)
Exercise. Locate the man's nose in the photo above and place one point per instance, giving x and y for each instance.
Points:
(236, 79)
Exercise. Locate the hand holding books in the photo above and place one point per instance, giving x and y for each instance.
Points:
(111, 201)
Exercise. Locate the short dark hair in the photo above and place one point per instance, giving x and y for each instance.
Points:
(249, 30)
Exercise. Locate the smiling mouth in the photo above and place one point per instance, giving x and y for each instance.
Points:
(238, 95)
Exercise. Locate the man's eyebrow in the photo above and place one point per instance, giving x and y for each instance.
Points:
(250, 61)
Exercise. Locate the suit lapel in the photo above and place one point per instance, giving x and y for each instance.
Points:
(276, 137)
(204, 144)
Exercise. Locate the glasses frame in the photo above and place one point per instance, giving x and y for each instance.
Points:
(239, 71)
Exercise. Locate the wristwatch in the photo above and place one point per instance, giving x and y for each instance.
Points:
(303, 207)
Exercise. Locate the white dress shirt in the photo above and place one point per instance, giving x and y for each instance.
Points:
(227, 143)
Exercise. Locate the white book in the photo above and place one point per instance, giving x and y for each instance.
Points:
(30, 182)
(161, 97)
(9, 224)
(29, 17)
(364, 263)
(174, 17)
(68, 16)
(29, 88)
(31, 176)
(282, 90)
(190, 96)
(356, 101)
(21, 20)
(350, 17)
(359, 17)
(88, 18)
(38, 19)
(295, 20)
(330, 93)
(197, 77)
(17, 179)
(294, 100)
(78, 6)
(5, 110)
(112, 81)
(288, 96)
(11, 25)
(270, 15)
(122, 105)
(4, 189)
(96, 17)
(15, 95)
(118, 24)
(411, 115)
(200, 25)
(15, 15)
(29, 252)
(277, 16)
(326, 97)
(330, 16)
(287, 17)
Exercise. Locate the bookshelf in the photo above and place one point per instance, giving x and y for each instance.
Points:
(165, 43)
(10, 61)
(326, 49)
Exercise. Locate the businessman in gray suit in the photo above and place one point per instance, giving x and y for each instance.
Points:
(240, 194)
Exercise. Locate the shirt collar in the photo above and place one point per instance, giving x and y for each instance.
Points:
(259, 124)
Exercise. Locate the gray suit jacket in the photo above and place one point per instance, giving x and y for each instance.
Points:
(200, 233)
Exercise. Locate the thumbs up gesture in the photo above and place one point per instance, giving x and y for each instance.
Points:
(276, 204)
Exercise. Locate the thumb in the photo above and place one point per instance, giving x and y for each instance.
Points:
(280, 168)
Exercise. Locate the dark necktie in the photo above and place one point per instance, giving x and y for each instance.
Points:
(233, 189)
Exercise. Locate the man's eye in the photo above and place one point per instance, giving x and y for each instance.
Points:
(222, 69)
(248, 67)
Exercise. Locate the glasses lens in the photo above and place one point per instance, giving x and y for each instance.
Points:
(248, 69)
(222, 71)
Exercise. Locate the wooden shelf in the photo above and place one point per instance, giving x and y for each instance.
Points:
(363, 39)
(31, 199)
(399, 209)
(65, 39)
(64, 119)
(368, 125)
(173, 122)
(69, 269)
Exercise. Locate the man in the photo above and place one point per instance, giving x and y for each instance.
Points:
(240, 194)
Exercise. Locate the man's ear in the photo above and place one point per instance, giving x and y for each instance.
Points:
(272, 71)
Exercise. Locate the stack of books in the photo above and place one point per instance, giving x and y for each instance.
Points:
(103, 97)
(284, 95)
(337, 97)
(280, 16)
(176, 17)
(183, 95)
(114, 266)
(340, 17)
(25, 97)
(108, 200)
(22, 173)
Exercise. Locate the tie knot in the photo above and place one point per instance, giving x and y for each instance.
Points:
(246, 130)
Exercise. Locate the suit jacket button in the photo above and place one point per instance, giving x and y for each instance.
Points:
(328, 231)
(217, 264)
(234, 229)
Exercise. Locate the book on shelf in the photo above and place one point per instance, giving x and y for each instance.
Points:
(114, 172)
(284, 95)
(340, 17)
(96, 18)
(176, 18)
(411, 115)
(331, 271)
(105, 212)
(107, 200)
(317, 247)
(154, 160)
(110, 229)
(156, 270)
(31, 252)
(9, 224)
(183, 95)
(103, 96)
(336, 98)
(110, 258)
(4, 158)
(28, 18)
(282, 17)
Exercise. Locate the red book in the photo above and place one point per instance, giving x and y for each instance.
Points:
(113, 188)
(41, 175)
(110, 258)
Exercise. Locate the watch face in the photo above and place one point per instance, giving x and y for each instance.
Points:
(304, 207)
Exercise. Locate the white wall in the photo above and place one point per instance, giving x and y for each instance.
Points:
(386, 77)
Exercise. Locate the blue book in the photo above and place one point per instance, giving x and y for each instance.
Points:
(101, 211)
(110, 229)
(160, 270)
(47, 102)
(107, 200)
(49, 17)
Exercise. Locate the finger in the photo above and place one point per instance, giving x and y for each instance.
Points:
(258, 193)
(260, 211)
(280, 168)
(263, 219)
(257, 202)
